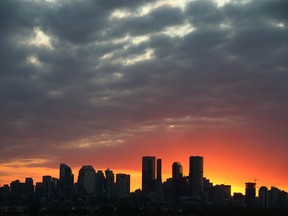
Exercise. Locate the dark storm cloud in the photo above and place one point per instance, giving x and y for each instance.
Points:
(232, 66)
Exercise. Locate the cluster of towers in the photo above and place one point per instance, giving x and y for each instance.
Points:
(195, 188)
(89, 184)
(178, 185)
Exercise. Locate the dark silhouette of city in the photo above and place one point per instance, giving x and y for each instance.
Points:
(100, 193)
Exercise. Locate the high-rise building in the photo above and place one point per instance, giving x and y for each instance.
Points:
(29, 188)
(15, 189)
(47, 186)
(263, 197)
(222, 195)
(159, 171)
(250, 194)
(148, 174)
(122, 185)
(38, 190)
(177, 170)
(86, 181)
(196, 175)
(66, 182)
(100, 184)
(109, 184)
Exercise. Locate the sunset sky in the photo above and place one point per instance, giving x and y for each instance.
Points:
(106, 82)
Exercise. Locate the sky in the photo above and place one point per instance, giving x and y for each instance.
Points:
(107, 82)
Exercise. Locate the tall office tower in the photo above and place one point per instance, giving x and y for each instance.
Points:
(47, 186)
(196, 175)
(29, 188)
(15, 189)
(148, 174)
(66, 182)
(109, 184)
(250, 194)
(159, 171)
(222, 195)
(38, 190)
(263, 197)
(177, 171)
(100, 184)
(274, 198)
(86, 181)
(122, 185)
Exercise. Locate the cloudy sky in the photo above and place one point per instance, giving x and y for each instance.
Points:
(106, 82)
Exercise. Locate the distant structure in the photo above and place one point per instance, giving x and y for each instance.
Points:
(86, 181)
(109, 184)
(148, 174)
(263, 197)
(100, 184)
(222, 195)
(196, 175)
(159, 171)
(250, 194)
(122, 185)
(66, 182)
(29, 188)
(177, 171)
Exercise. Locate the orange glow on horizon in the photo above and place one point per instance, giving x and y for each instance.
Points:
(223, 163)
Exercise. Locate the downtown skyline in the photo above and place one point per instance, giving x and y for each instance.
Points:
(156, 175)
(106, 82)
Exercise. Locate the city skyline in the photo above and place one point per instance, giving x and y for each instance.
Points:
(95, 191)
(105, 82)
(154, 175)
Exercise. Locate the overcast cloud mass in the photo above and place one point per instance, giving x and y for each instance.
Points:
(91, 76)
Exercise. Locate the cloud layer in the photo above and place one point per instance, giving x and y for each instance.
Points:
(95, 75)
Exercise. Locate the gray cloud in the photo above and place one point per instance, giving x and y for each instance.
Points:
(231, 66)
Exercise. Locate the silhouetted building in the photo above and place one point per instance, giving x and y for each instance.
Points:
(122, 185)
(86, 181)
(238, 200)
(29, 188)
(47, 186)
(109, 184)
(5, 191)
(222, 195)
(17, 189)
(177, 170)
(277, 199)
(38, 190)
(159, 171)
(250, 194)
(263, 197)
(100, 184)
(66, 182)
(208, 191)
(148, 174)
(178, 182)
(196, 175)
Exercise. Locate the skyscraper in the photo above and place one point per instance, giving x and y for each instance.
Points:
(177, 170)
(46, 182)
(159, 171)
(263, 197)
(196, 175)
(29, 188)
(100, 184)
(86, 181)
(122, 185)
(250, 194)
(148, 174)
(66, 182)
(109, 184)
